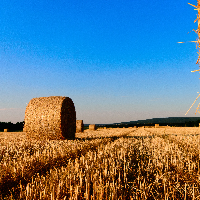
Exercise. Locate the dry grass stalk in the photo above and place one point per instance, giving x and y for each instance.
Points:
(79, 126)
(148, 164)
(198, 47)
(50, 118)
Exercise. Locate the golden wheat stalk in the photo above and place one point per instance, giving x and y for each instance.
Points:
(197, 46)
(192, 105)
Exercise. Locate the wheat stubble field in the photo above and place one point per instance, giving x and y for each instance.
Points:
(120, 163)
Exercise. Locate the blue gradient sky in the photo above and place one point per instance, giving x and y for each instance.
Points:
(118, 60)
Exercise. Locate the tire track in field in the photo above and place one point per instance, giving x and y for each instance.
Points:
(9, 183)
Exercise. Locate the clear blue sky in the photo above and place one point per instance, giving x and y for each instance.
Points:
(117, 60)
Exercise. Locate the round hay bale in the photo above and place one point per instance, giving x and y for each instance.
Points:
(79, 126)
(50, 118)
(92, 127)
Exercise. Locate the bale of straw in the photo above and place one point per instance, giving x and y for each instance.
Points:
(156, 125)
(79, 126)
(50, 118)
(92, 127)
(6, 130)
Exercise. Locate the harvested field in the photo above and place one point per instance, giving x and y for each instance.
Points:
(121, 163)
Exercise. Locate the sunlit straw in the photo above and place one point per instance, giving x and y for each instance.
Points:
(197, 46)
(197, 109)
(192, 105)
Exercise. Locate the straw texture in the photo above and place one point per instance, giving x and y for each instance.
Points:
(79, 126)
(92, 127)
(50, 118)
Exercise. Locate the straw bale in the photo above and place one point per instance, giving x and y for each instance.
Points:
(6, 130)
(92, 127)
(79, 126)
(156, 125)
(50, 118)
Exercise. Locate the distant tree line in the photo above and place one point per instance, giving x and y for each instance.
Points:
(19, 125)
(186, 124)
(192, 124)
(11, 127)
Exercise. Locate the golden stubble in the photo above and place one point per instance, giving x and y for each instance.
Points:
(139, 163)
